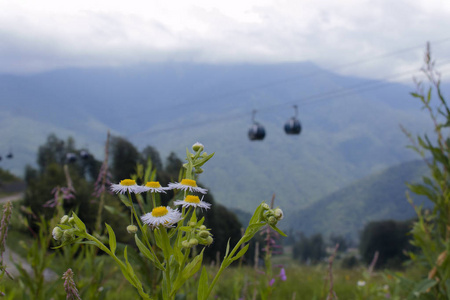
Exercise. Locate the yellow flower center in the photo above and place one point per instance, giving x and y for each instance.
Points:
(192, 199)
(159, 211)
(189, 182)
(153, 184)
(127, 182)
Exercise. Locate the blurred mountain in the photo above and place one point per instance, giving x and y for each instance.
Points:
(350, 125)
(376, 197)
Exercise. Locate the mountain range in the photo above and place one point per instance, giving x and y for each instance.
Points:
(350, 125)
(380, 196)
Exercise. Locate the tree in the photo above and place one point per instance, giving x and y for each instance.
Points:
(125, 157)
(388, 238)
(309, 250)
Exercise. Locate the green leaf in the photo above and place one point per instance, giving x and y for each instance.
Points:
(190, 269)
(125, 200)
(278, 230)
(256, 215)
(423, 286)
(112, 238)
(228, 249)
(203, 285)
(241, 252)
(79, 223)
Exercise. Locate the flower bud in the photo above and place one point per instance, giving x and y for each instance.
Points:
(57, 233)
(202, 227)
(197, 147)
(72, 221)
(68, 235)
(132, 229)
(193, 242)
(272, 221)
(204, 234)
(266, 206)
(209, 240)
(278, 214)
(198, 170)
(64, 219)
(185, 244)
(192, 224)
(204, 154)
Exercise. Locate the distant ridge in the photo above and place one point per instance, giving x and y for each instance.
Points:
(379, 196)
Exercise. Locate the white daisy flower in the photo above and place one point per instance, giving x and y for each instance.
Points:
(361, 283)
(193, 201)
(162, 215)
(153, 187)
(126, 185)
(187, 184)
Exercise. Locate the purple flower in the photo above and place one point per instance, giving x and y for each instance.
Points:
(282, 274)
(272, 281)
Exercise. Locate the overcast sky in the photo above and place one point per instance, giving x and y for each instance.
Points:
(42, 35)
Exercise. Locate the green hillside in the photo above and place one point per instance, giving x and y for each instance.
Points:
(377, 197)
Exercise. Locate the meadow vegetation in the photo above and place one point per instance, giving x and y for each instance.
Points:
(74, 239)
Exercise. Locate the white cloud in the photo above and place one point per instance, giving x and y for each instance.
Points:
(41, 35)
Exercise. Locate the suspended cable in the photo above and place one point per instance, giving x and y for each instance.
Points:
(362, 87)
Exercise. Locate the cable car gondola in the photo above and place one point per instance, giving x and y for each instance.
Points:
(71, 157)
(84, 154)
(256, 131)
(293, 125)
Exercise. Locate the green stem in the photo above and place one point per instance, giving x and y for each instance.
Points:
(122, 266)
(153, 200)
(142, 230)
(222, 265)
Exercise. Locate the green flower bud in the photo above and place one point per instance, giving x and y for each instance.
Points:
(72, 221)
(272, 221)
(132, 229)
(203, 227)
(193, 242)
(209, 240)
(57, 233)
(266, 206)
(197, 147)
(64, 219)
(204, 154)
(204, 234)
(198, 170)
(68, 235)
(192, 224)
(278, 214)
(185, 244)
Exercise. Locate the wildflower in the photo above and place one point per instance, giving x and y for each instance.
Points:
(272, 281)
(198, 147)
(69, 286)
(153, 187)
(361, 283)
(126, 185)
(161, 215)
(283, 274)
(193, 201)
(187, 184)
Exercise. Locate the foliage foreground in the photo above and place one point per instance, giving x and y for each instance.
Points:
(167, 238)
